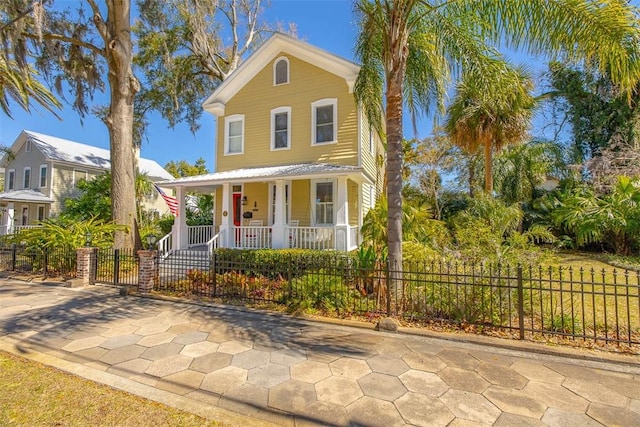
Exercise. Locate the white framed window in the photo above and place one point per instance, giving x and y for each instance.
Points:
(281, 71)
(234, 134)
(272, 204)
(41, 213)
(43, 176)
(323, 194)
(79, 174)
(27, 146)
(281, 128)
(11, 179)
(26, 178)
(324, 118)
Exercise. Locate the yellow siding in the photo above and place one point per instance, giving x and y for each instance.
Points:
(301, 202)
(257, 201)
(258, 97)
(218, 206)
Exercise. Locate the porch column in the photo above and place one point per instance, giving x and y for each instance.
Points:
(180, 231)
(342, 215)
(11, 214)
(226, 220)
(278, 231)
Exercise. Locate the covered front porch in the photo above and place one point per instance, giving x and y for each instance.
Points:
(308, 206)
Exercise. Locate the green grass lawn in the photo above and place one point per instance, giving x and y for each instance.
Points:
(37, 395)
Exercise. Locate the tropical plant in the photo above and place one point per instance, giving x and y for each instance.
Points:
(490, 110)
(409, 48)
(613, 219)
(22, 87)
(69, 233)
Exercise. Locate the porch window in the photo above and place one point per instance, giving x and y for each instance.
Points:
(272, 203)
(324, 203)
(281, 71)
(324, 118)
(11, 179)
(280, 125)
(234, 134)
(43, 176)
(27, 177)
(40, 213)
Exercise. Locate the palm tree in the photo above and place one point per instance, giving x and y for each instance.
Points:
(22, 87)
(409, 48)
(491, 110)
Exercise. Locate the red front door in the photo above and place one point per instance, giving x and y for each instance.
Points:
(237, 214)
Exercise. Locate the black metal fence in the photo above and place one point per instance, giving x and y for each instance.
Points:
(116, 267)
(600, 306)
(44, 261)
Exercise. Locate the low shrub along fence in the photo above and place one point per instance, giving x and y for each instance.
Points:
(601, 306)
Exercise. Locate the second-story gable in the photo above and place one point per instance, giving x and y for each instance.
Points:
(289, 103)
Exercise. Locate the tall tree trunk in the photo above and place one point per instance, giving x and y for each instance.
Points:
(472, 176)
(395, 67)
(123, 87)
(488, 168)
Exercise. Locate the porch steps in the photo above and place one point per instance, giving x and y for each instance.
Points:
(177, 263)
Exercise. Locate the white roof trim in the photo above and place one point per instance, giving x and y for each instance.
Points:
(296, 171)
(275, 46)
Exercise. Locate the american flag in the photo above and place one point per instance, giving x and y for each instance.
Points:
(171, 201)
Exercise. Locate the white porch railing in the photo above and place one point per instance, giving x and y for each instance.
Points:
(213, 243)
(200, 234)
(312, 237)
(165, 245)
(250, 237)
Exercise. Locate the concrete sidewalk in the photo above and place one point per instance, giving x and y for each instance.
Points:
(245, 367)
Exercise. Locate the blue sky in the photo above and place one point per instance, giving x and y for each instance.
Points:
(328, 24)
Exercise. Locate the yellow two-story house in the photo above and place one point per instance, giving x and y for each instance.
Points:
(297, 164)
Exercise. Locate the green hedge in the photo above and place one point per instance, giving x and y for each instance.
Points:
(274, 263)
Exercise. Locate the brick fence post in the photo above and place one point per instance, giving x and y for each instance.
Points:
(147, 270)
(85, 267)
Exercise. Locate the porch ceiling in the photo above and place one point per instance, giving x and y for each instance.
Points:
(24, 196)
(295, 171)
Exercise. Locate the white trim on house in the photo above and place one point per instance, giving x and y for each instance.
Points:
(228, 121)
(275, 71)
(46, 169)
(26, 184)
(333, 102)
(275, 112)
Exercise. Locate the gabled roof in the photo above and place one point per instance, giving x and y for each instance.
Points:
(275, 46)
(62, 150)
(296, 171)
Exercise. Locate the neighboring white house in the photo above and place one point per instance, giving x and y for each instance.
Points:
(43, 172)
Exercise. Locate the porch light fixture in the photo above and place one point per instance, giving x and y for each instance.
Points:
(244, 201)
(151, 241)
(88, 238)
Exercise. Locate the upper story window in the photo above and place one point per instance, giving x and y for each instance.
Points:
(324, 115)
(27, 146)
(43, 175)
(27, 178)
(281, 71)
(234, 134)
(281, 128)
(11, 179)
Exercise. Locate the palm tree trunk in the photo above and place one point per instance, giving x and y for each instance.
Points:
(488, 170)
